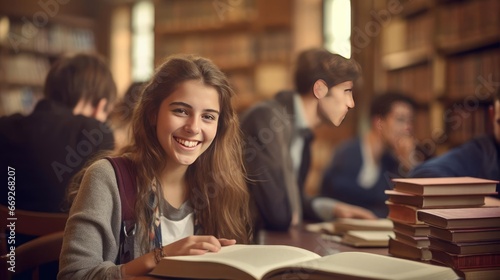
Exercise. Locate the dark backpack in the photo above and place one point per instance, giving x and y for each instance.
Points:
(126, 179)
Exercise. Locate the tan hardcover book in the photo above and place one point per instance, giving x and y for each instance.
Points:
(401, 249)
(417, 241)
(465, 248)
(367, 238)
(403, 213)
(435, 201)
(411, 229)
(263, 262)
(445, 186)
(341, 226)
(483, 217)
(465, 235)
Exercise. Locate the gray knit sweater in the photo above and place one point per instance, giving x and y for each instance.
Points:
(92, 234)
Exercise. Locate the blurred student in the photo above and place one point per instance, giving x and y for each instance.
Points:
(49, 146)
(120, 119)
(191, 193)
(362, 168)
(479, 157)
(278, 134)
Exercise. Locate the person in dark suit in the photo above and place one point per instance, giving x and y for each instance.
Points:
(67, 127)
(479, 157)
(276, 132)
(362, 167)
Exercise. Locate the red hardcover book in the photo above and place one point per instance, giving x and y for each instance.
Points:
(490, 273)
(435, 201)
(417, 241)
(412, 229)
(466, 261)
(465, 248)
(445, 186)
(483, 217)
(403, 213)
(464, 235)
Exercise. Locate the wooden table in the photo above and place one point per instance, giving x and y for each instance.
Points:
(316, 242)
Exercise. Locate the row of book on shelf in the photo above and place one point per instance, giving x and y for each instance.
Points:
(175, 15)
(445, 221)
(466, 72)
(53, 39)
(230, 50)
(478, 122)
(24, 69)
(410, 80)
(451, 26)
(481, 20)
(464, 76)
(19, 100)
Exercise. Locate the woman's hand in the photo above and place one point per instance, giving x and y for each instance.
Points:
(196, 245)
(191, 245)
(344, 210)
(404, 150)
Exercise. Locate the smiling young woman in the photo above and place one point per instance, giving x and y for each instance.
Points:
(187, 121)
(191, 191)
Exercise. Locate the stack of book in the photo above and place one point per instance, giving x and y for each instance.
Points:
(465, 239)
(411, 195)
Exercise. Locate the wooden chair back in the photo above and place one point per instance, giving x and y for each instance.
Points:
(29, 223)
(32, 254)
(32, 222)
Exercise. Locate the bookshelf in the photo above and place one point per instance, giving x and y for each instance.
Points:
(27, 49)
(251, 41)
(446, 55)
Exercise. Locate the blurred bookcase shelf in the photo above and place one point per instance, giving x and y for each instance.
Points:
(215, 27)
(471, 43)
(412, 8)
(403, 59)
(27, 51)
(250, 41)
(445, 54)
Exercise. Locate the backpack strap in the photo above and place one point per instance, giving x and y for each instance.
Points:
(126, 179)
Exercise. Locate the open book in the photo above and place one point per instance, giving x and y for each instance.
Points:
(263, 262)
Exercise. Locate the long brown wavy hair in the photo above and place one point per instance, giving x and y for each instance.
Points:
(216, 180)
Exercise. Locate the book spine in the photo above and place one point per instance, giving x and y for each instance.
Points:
(403, 214)
(476, 261)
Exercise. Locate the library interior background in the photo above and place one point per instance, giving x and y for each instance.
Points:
(444, 54)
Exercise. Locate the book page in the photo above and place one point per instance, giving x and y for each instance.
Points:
(360, 265)
(361, 223)
(341, 226)
(254, 260)
(367, 238)
(322, 227)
